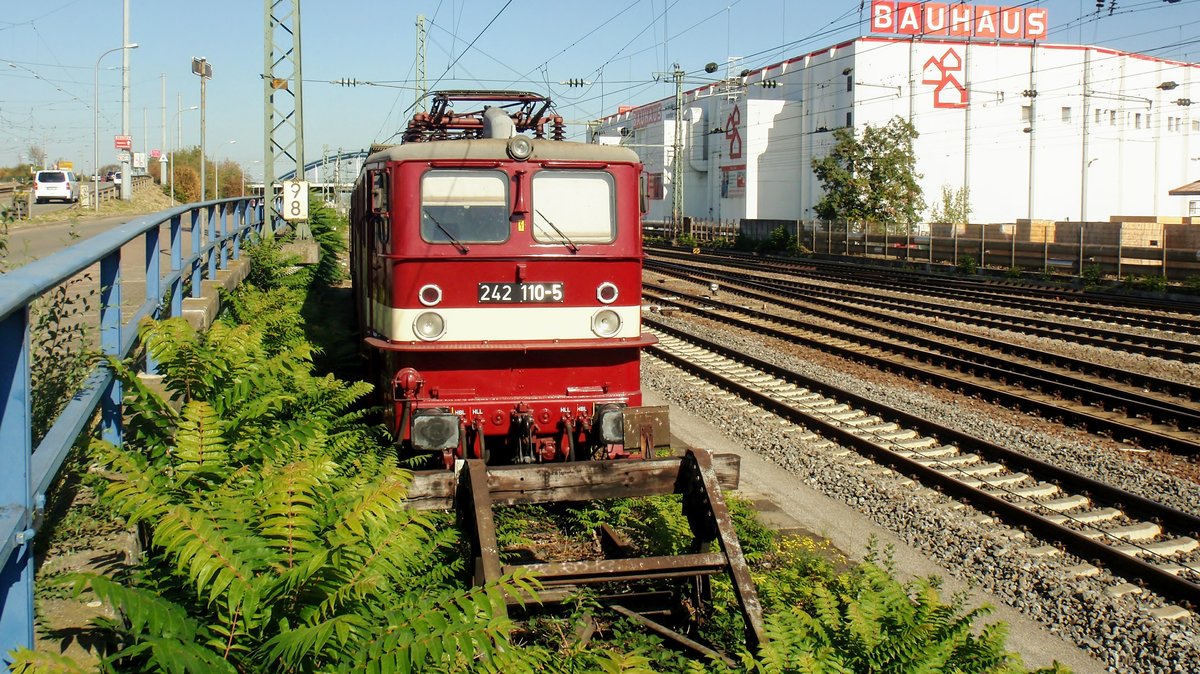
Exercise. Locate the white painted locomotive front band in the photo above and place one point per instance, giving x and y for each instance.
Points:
(504, 323)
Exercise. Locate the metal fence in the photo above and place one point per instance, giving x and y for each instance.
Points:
(1137, 247)
(147, 251)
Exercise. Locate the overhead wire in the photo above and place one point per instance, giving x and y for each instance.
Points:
(455, 61)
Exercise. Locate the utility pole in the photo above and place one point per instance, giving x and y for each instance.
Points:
(422, 83)
(126, 174)
(676, 163)
(162, 148)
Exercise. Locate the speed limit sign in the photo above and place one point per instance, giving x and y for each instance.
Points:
(295, 200)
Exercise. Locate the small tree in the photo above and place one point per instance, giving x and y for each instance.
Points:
(872, 177)
(955, 206)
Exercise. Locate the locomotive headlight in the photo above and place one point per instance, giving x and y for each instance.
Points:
(429, 326)
(433, 430)
(519, 148)
(606, 292)
(429, 295)
(606, 323)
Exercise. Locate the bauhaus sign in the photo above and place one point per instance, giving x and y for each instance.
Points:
(958, 20)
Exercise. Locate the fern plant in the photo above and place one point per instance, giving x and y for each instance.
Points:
(866, 621)
(278, 536)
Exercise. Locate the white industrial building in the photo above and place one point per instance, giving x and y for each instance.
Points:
(1033, 130)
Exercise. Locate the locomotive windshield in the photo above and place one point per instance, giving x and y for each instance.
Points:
(463, 206)
(573, 206)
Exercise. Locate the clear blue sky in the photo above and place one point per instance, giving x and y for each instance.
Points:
(48, 50)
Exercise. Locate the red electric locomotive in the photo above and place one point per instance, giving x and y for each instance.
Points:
(497, 282)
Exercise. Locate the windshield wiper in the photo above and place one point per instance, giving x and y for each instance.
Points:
(450, 236)
(565, 239)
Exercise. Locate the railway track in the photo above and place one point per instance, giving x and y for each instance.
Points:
(1124, 415)
(1144, 541)
(856, 300)
(963, 344)
(1181, 317)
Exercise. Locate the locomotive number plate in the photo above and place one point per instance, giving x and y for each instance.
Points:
(520, 293)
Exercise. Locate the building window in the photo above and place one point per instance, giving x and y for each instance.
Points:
(1196, 125)
(1137, 120)
(849, 119)
(1112, 117)
(1026, 113)
(1066, 114)
(849, 83)
(1194, 208)
(1098, 117)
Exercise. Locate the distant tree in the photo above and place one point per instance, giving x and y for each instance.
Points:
(872, 177)
(230, 176)
(231, 179)
(955, 206)
(37, 155)
(187, 184)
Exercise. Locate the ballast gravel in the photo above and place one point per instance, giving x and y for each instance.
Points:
(1115, 628)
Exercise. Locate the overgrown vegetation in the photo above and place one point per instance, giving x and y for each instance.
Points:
(186, 167)
(967, 264)
(954, 207)
(822, 614)
(1152, 283)
(1092, 276)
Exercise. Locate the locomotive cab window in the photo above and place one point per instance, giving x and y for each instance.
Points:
(573, 206)
(464, 207)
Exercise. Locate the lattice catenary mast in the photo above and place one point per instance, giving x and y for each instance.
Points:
(283, 96)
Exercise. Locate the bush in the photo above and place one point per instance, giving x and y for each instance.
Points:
(780, 240)
(1152, 284)
(967, 265)
(1014, 272)
(1092, 275)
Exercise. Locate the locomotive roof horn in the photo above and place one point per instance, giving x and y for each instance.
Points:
(497, 124)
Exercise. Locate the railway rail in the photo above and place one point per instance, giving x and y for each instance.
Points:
(1120, 414)
(1145, 345)
(1145, 541)
(1184, 317)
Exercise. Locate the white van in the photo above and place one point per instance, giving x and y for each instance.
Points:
(55, 184)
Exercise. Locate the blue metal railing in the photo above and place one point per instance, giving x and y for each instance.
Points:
(217, 232)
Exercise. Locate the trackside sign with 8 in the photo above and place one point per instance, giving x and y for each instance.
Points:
(295, 200)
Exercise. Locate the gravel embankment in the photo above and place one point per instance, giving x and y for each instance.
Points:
(1115, 629)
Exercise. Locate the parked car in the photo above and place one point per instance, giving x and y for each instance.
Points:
(56, 184)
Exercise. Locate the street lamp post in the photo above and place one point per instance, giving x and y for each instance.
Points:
(202, 68)
(175, 122)
(96, 126)
(217, 174)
